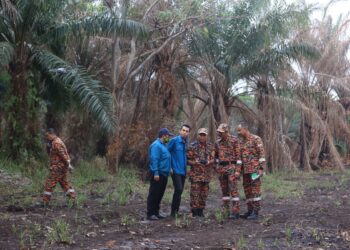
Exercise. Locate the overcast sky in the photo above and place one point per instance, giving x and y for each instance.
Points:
(337, 8)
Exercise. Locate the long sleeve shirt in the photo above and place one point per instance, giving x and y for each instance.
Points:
(252, 153)
(159, 158)
(177, 147)
(59, 157)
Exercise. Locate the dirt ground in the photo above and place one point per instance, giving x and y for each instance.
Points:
(319, 218)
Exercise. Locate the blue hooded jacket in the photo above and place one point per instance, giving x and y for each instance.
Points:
(159, 158)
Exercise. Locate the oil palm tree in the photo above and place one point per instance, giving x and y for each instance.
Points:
(252, 43)
(32, 52)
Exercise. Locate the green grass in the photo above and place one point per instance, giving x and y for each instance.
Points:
(241, 242)
(59, 232)
(127, 220)
(86, 173)
(319, 184)
(220, 215)
(281, 188)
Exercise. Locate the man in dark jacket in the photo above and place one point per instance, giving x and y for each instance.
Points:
(160, 169)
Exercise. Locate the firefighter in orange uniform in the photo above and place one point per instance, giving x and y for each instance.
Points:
(59, 167)
(200, 156)
(253, 165)
(227, 153)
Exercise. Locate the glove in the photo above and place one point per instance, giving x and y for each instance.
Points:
(203, 162)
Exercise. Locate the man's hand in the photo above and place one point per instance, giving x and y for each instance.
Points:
(70, 168)
(156, 177)
(171, 171)
(237, 175)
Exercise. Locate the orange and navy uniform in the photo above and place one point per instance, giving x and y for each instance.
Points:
(227, 153)
(200, 157)
(59, 162)
(253, 160)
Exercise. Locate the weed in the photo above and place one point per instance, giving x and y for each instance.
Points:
(182, 221)
(186, 220)
(261, 244)
(289, 233)
(104, 221)
(177, 220)
(314, 233)
(59, 232)
(241, 243)
(220, 215)
(266, 221)
(26, 235)
(128, 220)
(337, 203)
(14, 228)
(276, 243)
(81, 199)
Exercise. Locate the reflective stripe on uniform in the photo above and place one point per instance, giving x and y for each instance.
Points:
(261, 159)
(256, 199)
(239, 162)
(235, 198)
(47, 193)
(71, 190)
(226, 198)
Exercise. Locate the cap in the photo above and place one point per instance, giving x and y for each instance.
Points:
(164, 131)
(203, 131)
(50, 131)
(223, 127)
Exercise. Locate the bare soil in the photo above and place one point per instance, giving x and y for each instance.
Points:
(318, 219)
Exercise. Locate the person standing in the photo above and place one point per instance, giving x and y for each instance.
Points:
(178, 147)
(227, 153)
(59, 167)
(253, 158)
(160, 169)
(200, 156)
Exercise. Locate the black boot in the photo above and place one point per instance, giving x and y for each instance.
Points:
(200, 212)
(194, 212)
(248, 213)
(253, 216)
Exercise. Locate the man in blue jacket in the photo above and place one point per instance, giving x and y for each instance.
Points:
(160, 169)
(177, 147)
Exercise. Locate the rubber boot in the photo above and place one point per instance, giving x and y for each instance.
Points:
(248, 213)
(194, 212)
(200, 212)
(253, 216)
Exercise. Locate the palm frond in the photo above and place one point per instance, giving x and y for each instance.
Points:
(277, 57)
(6, 53)
(92, 95)
(103, 25)
(10, 10)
